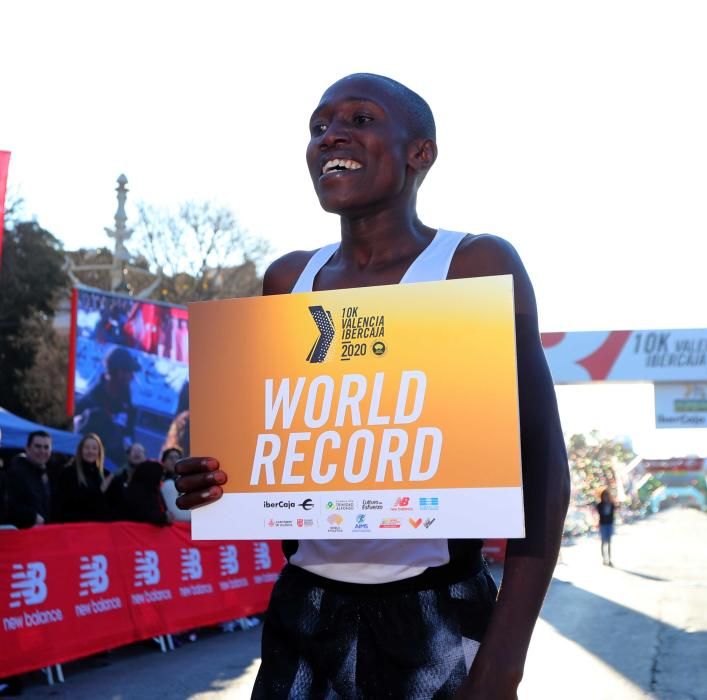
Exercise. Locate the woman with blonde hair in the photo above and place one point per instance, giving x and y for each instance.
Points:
(83, 483)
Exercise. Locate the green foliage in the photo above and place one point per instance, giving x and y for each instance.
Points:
(593, 463)
(32, 273)
(42, 386)
(31, 280)
(648, 486)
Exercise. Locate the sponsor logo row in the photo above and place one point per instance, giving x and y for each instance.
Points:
(396, 504)
(362, 522)
(29, 584)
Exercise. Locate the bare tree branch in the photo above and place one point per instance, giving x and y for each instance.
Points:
(198, 249)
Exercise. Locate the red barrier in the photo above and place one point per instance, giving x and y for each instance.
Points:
(494, 551)
(67, 591)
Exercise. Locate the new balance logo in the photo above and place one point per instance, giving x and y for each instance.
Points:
(261, 550)
(191, 564)
(28, 584)
(228, 558)
(93, 576)
(147, 568)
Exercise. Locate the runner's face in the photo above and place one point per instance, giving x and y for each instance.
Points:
(357, 153)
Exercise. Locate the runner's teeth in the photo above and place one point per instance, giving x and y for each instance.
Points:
(338, 163)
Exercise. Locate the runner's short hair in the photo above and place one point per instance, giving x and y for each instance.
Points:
(419, 115)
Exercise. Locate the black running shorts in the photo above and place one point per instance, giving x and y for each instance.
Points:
(356, 642)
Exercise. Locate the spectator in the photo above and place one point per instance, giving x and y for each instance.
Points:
(29, 490)
(170, 457)
(136, 455)
(83, 483)
(178, 434)
(107, 408)
(143, 501)
(116, 492)
(4, 499)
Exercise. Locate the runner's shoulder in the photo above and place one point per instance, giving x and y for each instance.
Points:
(484, 254)
(282, 274)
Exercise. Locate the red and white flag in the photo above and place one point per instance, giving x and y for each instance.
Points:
(4, 167)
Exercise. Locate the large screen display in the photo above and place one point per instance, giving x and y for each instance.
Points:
(131, 381)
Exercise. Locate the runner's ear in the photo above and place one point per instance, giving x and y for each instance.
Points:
(422, 154)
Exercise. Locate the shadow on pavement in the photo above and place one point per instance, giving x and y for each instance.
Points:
(637, 646)
(638, 573)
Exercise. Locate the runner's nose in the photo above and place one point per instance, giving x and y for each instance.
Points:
(336, 133)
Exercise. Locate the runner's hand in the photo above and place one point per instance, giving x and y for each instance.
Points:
(199, 482)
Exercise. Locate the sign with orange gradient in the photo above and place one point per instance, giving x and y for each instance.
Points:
(372, 412)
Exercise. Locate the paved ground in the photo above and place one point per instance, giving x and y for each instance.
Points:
(638, 630)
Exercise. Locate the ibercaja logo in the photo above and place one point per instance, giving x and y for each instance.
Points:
(325, 325)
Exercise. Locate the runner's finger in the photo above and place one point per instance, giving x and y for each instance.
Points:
(200, 498)
(199, 482)
(195, 465)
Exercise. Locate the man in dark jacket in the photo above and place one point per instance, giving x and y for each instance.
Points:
(107, 408)
(29, 487)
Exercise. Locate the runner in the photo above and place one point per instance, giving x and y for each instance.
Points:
(605, 509)
(391, 618)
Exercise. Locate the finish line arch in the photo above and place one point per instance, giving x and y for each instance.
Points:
(674, 361)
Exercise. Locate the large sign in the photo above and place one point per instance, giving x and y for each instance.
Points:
(380, 412)
(626, 356)
(681, 405)
(131, 373)
(67, 591)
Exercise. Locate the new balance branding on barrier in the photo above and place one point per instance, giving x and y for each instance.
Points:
(61, 589)
(94, 575)
(191, 564)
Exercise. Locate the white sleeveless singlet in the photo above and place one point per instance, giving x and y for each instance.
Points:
(378, 561)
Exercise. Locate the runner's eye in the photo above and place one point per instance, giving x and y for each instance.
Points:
(317, 129)
(361, 119)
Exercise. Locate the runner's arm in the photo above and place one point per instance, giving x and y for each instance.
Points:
(530, 562)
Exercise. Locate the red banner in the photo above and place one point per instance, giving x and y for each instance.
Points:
(494, 551)
(675, 464)
(4, 167)
(67, 591)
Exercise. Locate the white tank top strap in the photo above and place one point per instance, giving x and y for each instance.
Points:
(431, 265)
(433, 262)
(378, 561)
(320, 258)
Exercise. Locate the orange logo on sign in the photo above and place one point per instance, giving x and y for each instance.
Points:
(415, 523)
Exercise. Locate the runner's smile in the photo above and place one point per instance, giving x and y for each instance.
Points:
(339, 166)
